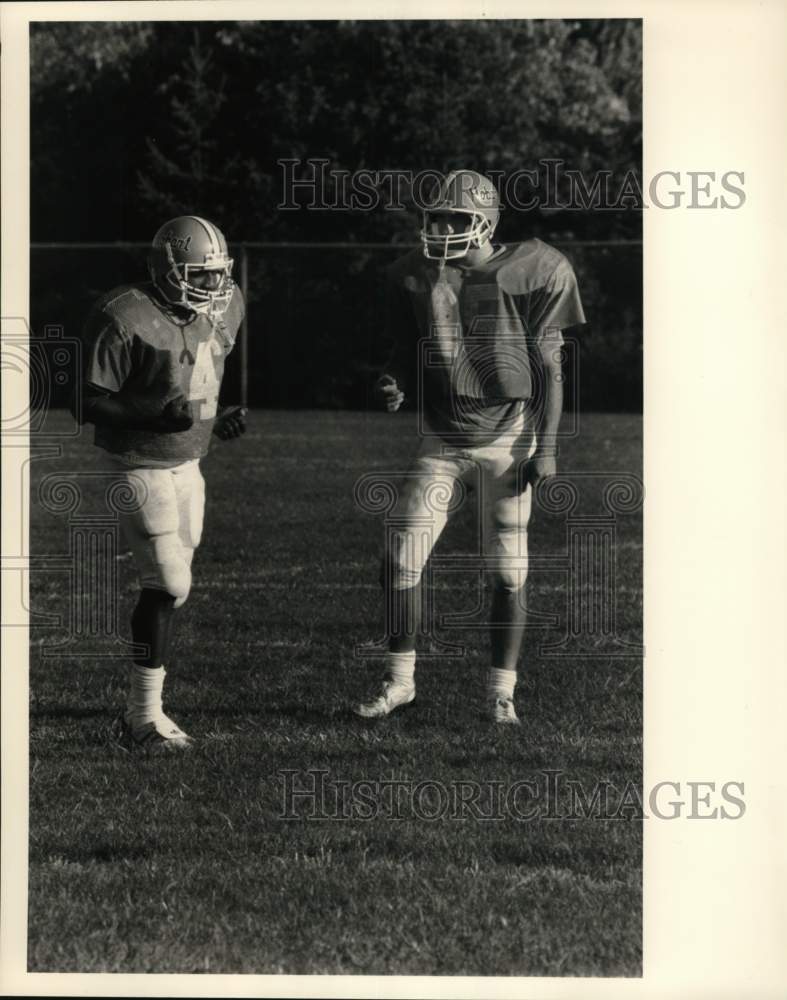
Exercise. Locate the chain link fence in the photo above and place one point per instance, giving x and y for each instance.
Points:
(313, 333)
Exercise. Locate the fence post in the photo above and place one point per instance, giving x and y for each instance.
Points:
(244, 329)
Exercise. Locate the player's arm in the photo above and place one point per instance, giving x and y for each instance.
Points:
(390, 388)
(550, 376)
(105, 397)
(230, 421)
(554, 308)
(124, 412)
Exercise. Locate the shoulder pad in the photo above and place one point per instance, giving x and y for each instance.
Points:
(531, 265)
(127, 304)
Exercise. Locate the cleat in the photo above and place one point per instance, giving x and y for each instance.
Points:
(502, 711)
(160, 736)
(394, 695)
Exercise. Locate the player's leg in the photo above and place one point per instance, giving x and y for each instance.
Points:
(413, 530)
(190, 496)
(151, 625)
(189, 487)
(153, 534)
(506, 512)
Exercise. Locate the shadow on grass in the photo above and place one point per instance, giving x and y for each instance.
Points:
(43, 712)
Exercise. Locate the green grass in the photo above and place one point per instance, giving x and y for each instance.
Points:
(186, 864)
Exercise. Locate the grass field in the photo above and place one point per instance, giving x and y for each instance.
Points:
(198, 863)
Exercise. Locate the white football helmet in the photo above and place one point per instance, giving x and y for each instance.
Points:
(462, 193)
(184, 248)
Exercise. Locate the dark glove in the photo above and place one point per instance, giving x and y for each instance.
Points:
(230, 423)
(176, 416)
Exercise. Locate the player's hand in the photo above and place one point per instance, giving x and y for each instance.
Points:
(540, 467)
(176, 416)
(230, 423)
(387, 393)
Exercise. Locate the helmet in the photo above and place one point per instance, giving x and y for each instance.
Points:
(461, 192)
(183, 247)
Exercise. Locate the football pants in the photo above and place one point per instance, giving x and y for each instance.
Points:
(166, 526)
(428, 499)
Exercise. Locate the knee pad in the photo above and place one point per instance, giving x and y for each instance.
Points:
(508, 570)
(170, 570)
(510, 578)
(404, 561)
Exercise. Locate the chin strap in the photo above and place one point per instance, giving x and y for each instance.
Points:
(185, 355)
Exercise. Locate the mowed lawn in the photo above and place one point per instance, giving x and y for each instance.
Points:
(199, 863)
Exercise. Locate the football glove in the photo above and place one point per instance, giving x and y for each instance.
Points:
(387, 393)
(230, 423)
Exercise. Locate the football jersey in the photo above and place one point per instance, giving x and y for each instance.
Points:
(136, 344)
(465, 336)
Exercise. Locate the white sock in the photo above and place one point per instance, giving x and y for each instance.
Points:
(501, 683)
(400, 667)
(144, 697)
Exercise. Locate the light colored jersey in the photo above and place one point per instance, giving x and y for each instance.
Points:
(465, 337)
(137, 345)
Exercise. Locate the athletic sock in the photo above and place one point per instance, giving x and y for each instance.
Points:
(151, 625)
(400, 667)
(501, 683)
(144, 697)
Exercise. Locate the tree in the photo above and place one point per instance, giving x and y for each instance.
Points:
(134, 123)
(183, 172)
(148, 120)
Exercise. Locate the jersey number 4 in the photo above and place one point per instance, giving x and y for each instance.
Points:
(204, 385)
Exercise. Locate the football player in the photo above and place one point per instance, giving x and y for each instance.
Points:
(154, 361)
(476, 328)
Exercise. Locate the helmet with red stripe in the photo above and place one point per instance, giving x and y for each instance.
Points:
(191, 266)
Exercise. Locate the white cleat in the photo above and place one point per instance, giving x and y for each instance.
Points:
(394, 695)
(160, 736)
(501, 710)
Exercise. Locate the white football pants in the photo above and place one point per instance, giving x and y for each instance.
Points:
(166, 526)
(429, 497)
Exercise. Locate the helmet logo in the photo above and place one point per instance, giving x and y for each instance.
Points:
(177, 242)
(484, 195)
(186, 246)
(472, 195)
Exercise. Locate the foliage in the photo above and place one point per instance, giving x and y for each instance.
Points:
(197, 115)
(136, 122)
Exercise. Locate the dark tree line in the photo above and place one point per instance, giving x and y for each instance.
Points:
(134, 122)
